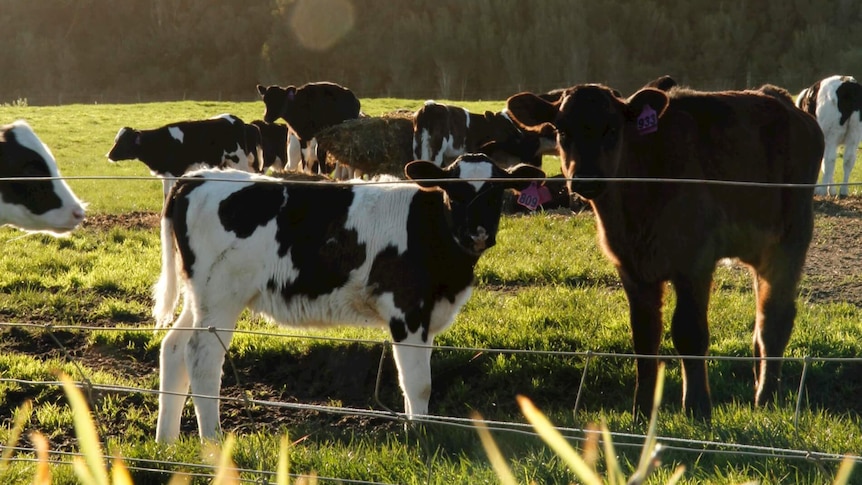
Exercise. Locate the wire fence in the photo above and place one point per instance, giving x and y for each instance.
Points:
(621, 439)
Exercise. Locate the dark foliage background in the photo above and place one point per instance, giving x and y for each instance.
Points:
(68, 51)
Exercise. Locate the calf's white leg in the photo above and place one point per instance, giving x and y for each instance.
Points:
(173, 377)
(166, 186)
(830, 153)
(851, 144)
(413, 360)
(205, 354)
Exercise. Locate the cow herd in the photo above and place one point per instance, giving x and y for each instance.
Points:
(732, 174)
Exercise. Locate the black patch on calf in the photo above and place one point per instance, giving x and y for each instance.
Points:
(17, 160)
(250, 207)
(323, 251)
(849, 95)
(426, 272)
(177, 209)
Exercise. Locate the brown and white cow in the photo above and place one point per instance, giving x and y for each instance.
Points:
(443, 132)
(659, 232)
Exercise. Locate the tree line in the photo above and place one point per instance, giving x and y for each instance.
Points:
(65, 51)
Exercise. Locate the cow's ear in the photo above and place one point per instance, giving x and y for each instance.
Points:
(261, 89)
(419, 170)
(655, 98)
(521, 174)
(530, 111)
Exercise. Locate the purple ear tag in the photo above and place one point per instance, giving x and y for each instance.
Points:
(647, 121)
(533, 196)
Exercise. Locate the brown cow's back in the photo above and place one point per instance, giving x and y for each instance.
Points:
(738, 136)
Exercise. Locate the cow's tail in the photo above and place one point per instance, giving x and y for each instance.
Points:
(166, 291)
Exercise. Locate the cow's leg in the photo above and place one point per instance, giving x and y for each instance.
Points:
(645, 300)
(775, 284)
(421, 144)
(828, 169)
(413, 359)
(173, 377)
(167, 184)
(851, 144)
(294, 154)
(690, 332)
(205, 354)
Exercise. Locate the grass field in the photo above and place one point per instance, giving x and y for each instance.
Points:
(544, 289)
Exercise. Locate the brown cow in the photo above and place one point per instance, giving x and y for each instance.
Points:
(676, 232)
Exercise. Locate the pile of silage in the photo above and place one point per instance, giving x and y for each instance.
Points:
(376, 145)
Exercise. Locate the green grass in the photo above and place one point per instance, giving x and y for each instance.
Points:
(544, 287)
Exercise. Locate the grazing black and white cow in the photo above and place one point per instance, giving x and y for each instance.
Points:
(309, 109)
(443, 132)
(660, 232)
(282, 149)
(836, 102)
(274, 142)
(34, 205)
(174, 149)
(395, 255)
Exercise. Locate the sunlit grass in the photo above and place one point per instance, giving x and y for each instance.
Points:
(544, 287)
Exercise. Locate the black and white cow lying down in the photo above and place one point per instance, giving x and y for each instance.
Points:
(836, 102)
(394, 255)
(34, 205)
(176, 148)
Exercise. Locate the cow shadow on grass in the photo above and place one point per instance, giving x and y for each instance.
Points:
(487, 382)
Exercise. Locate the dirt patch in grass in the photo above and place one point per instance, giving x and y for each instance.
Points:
(130, 220)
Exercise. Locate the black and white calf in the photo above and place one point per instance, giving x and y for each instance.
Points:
(282, 148)
(273, 141)
(307, 109)
(174, 149)
(836, 102)
(33, 205)
(396, 256)
(443, 132)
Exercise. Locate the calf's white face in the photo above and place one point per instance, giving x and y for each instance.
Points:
(33, 205)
